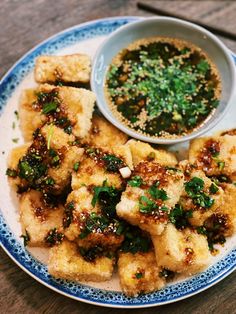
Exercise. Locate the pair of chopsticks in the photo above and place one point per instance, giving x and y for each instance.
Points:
(215, 30)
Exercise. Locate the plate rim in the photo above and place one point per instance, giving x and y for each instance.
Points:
(18, 263)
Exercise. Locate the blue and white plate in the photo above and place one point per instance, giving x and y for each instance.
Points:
(84, 38)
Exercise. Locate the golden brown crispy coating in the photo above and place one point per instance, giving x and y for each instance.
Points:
(145, 152)
(82, 209)
(15, 155)
(227, 210)
(75, 103)
(182, 251)
(38, 218)
(71, 68)
(104, 134)
(66, 262)
(139, 273)
(214, 155)
(129, 207)
(30, 119)
(200, 214)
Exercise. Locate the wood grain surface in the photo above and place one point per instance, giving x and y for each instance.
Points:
(24, 24)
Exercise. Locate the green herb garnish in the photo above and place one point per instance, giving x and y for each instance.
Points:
(50, 181)
(108, 197)
(172, 86)
(158, 193)
(26, 237)
(213, 188)
(68, 214)
(179, 217)
(194, 186)
(15, 140)
(221, 165)
(93, 223)
(111, 191)
(135, 241)
(139, 275)
(54, 237)
(136, 181)
(49, 107)
(76, 166)
(112, 163)
(194, 189)
(11, 173)
(146, 205)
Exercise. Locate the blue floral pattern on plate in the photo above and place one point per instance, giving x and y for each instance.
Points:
(38, 270)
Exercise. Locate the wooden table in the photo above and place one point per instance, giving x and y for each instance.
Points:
(24, 24)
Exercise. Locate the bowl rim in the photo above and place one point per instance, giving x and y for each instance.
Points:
(110, 117)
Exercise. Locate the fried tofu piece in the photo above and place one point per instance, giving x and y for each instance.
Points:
(66, 262)
(214, 155)
(76, 104)
(55, 137)
(201, 213)
(139, 273)
(30, 119)
(183, 251)
(79, 104)
(93, 171)
(33, 164)
(90, 173)
(70, 68)
(82, 209)
(59, 141)
(104, 134)
(145, 152)
(155, 220)
(15, 155)
(81, 199)
(62, 174)
(37, 218)
(227, 210)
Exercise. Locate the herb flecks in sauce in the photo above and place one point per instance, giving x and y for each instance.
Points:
(195, 190)
(163, 88)
(214, 228)
(52, 106)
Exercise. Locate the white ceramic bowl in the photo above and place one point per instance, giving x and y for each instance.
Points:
(168, 27)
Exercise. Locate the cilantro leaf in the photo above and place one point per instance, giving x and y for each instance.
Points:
(136, 181)
(146, 205)
(179, 217)
(112, 163)
(194, 186)
(157, 193)
(49, 107)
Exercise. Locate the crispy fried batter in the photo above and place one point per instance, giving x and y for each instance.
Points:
(66, 262)
(104, 134)
(145, 152)
(71, 68)
(37, 218)
(139, 273)
(182, 251)
(200, 214)
(15, 155)
(129, 206)
(77, 105)
(214, 155)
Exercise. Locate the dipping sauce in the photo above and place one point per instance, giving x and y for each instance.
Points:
(162, 87)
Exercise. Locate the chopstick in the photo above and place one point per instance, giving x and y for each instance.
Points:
(216, 30)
